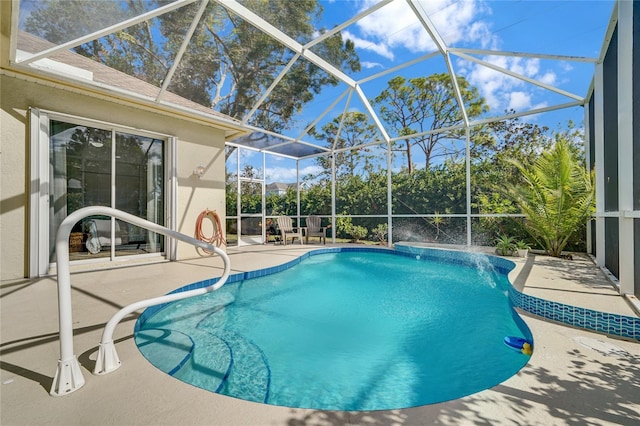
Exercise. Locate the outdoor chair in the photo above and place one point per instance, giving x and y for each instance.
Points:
(287, 230)
(315, 229)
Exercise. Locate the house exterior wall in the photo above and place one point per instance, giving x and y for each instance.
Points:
(197, 144)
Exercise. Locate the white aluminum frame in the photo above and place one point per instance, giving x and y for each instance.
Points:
(304, 52)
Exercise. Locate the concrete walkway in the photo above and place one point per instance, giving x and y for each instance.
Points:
(574, 377)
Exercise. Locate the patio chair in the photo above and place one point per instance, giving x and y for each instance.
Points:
(287, 230)
(315, 229)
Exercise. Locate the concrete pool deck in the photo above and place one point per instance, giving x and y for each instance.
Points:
(573, 377)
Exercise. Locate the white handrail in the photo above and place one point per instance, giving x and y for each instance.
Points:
(68, 377)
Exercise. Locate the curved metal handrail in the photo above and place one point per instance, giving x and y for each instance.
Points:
(68, 377)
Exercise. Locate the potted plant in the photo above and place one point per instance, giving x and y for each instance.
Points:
(522, 248)
(505, 245)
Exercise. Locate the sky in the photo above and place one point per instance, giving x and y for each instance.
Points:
(393, 36)
(576, 28)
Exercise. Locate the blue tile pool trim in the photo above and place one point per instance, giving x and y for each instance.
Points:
(587, 319)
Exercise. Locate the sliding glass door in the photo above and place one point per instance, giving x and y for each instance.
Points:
(92, 166)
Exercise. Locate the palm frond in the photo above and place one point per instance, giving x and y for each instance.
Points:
(557, 197)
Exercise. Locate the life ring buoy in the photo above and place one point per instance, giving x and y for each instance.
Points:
(216, 238)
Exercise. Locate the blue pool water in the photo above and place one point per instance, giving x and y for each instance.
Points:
(344, 331)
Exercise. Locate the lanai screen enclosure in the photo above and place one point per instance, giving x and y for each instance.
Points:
(392, 119)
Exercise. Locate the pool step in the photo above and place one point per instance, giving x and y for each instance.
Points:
(209, 363)
(187, 358)
(166, 349)
(249, 374)
(209, 357)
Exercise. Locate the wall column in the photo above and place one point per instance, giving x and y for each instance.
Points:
(598, 96)
(625, 145)
(587, 163)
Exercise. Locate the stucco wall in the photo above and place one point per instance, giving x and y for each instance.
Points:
(197, 144)
(13, 185)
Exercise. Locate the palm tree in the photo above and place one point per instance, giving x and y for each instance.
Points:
(557, 197)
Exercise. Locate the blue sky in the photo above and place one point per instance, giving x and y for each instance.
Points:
(393, 35)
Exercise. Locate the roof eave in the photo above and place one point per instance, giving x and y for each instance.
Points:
(98, 90)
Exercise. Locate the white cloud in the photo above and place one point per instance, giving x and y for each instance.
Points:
(540, 105)
(503, 91)
(481, 32)
(566, 66)
(247, 154)
(548, 78)
(396, 25)
(459, 23)
(360, 43)
(531, 67)
(534, 117)
(519, 101)
(284, 174)
(369, 65)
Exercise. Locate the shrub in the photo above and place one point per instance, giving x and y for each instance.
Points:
(358, 232)
(557, 197)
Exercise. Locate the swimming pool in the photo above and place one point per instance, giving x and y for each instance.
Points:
(345, 330)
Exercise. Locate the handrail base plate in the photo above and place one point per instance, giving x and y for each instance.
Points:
(107, 360)
(68, 378)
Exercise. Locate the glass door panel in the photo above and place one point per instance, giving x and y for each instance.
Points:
(80, 168)
(139, 190)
